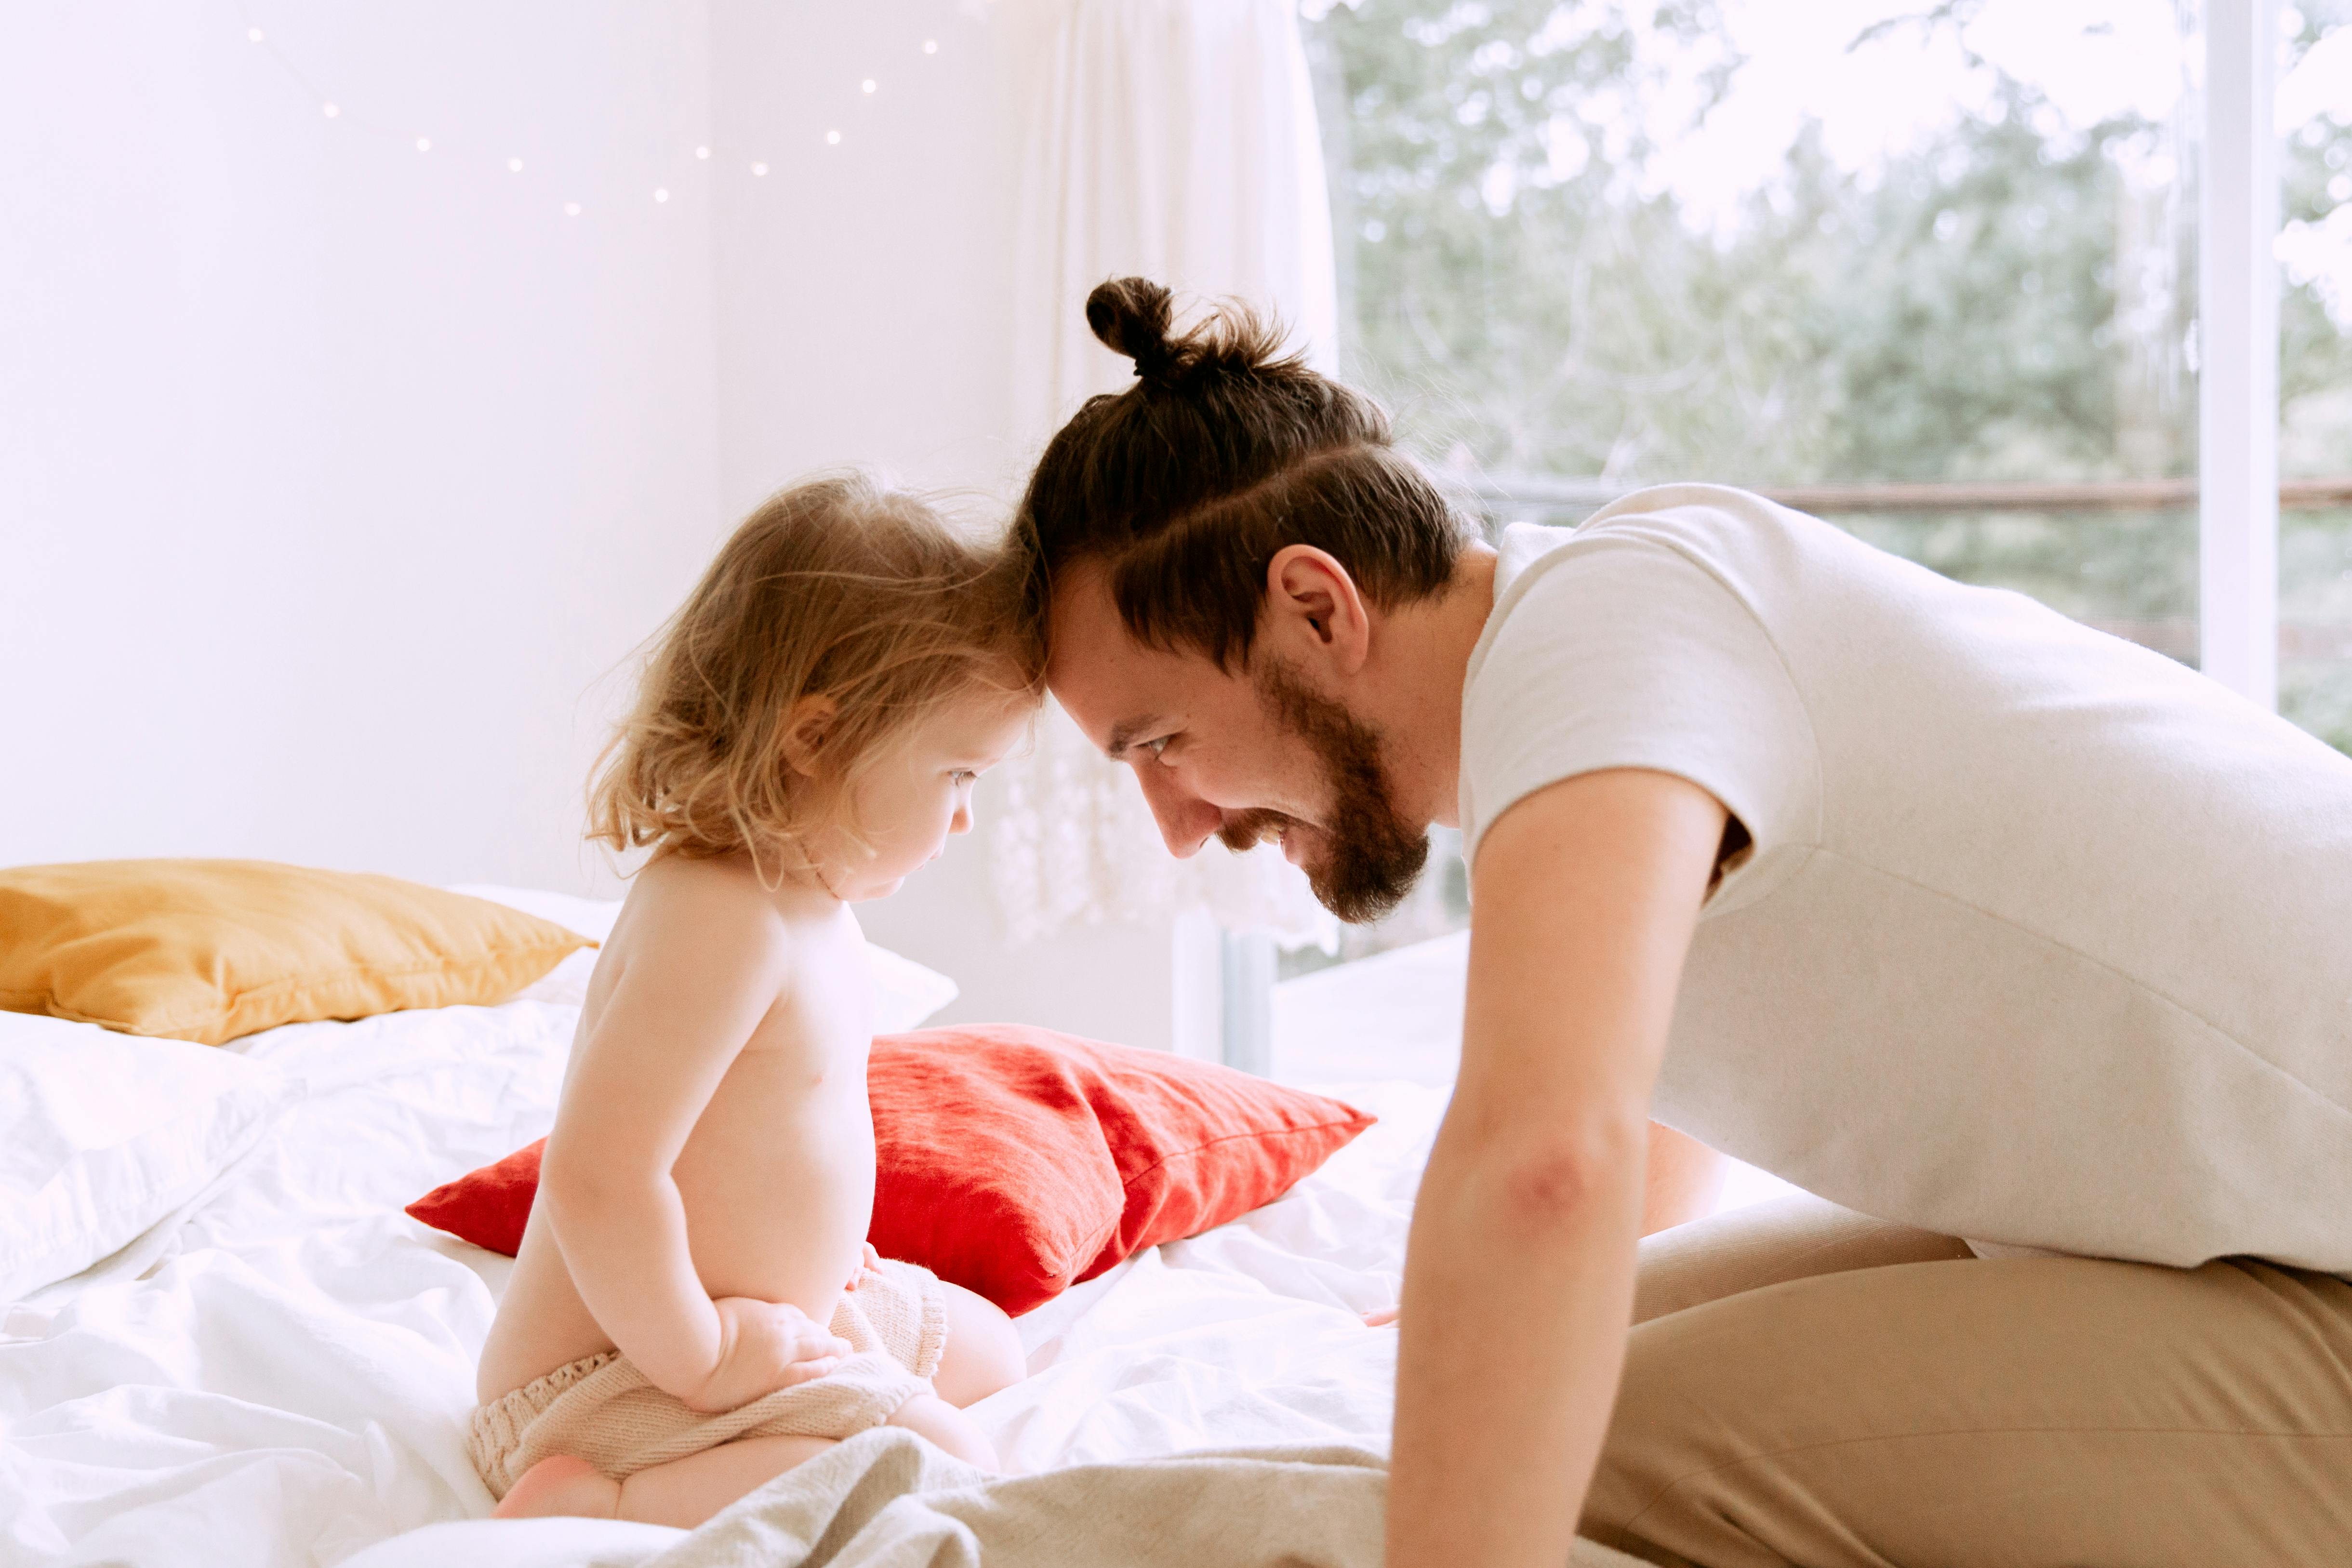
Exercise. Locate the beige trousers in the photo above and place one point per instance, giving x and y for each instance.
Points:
(1804, 1385)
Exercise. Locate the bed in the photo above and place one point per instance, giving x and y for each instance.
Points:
(277, 1375)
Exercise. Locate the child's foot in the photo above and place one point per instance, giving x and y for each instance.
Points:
(560, 1484)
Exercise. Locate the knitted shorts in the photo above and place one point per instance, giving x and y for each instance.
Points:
(601, 1408)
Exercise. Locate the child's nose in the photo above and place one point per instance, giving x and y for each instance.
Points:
(961, 821)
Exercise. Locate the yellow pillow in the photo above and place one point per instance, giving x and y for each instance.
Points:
(210, 949)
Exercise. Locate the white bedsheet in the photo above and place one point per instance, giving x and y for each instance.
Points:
(281, 1377)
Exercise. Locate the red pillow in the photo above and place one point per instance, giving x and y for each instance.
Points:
(1016, 1162)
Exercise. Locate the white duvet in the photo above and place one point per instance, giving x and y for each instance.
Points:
(280, 1375)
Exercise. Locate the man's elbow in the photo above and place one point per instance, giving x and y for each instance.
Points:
(1567, 1178)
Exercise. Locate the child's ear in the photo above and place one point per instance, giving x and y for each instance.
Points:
(804, 732)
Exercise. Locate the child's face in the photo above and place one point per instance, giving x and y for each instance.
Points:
(920, 791)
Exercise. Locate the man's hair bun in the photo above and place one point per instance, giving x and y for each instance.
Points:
(1136, 317)
(1229, 449)
(1132, 316)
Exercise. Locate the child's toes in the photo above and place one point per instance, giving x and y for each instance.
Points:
(560, 1484)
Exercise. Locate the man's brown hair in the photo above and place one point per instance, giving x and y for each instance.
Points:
(1224, 452)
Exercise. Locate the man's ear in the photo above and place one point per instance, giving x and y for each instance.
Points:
(1315, 611)
(805, 729)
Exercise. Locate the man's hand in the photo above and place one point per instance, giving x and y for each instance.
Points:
(763, 1347)
(1518, 1279)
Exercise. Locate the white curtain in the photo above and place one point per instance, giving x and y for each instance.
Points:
(1176, 139)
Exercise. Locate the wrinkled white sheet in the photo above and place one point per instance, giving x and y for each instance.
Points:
(282, 1378)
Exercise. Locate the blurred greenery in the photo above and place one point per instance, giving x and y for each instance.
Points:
(2011, 299)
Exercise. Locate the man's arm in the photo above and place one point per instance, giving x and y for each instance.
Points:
(1520, 1271)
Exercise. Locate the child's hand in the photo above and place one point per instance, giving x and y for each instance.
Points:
(763, 1347)
(872, 1261)
(1381, 1317)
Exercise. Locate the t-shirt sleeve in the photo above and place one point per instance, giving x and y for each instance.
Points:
(1628, 654)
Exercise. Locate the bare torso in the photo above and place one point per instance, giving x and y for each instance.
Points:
(777, 1176)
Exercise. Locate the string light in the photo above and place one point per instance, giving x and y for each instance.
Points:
(330, 109)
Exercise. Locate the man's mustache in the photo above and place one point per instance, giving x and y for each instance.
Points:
(1247, 830)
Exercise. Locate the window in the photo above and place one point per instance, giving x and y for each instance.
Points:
(1827, 249)
(1931, 271)
(2314, 250)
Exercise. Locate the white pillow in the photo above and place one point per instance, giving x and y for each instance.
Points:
(592, 918)
(905, 992)
(103, 1134)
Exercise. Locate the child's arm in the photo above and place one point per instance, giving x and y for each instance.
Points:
(699, 981)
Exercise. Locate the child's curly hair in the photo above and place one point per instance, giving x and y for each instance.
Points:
(839, 588)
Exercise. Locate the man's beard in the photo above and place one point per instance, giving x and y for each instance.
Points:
(1375, 854)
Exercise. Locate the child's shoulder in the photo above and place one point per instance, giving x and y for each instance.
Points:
(717, 901)
(668, 878)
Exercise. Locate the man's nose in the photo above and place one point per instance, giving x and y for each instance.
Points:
(1185, 819)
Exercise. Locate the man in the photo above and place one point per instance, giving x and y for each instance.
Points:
(1974, 922)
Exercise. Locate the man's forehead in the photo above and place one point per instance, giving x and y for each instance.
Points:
(1082, 608)
(1115, 686)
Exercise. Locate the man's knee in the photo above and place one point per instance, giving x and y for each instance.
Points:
(1670, 1425)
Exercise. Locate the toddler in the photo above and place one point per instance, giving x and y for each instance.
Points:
(694, 1308)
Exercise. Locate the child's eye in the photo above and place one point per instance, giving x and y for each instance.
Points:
(963, 775)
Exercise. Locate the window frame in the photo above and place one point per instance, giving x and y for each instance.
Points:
(2235, 56)
(2238, 220)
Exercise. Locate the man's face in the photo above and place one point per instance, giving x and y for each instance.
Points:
(1240, 756)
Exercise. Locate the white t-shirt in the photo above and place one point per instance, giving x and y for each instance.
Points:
(2043, 940)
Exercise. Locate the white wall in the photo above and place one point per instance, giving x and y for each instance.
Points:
(864, 303)
(336, 477)
(333, 474)
(863, 288)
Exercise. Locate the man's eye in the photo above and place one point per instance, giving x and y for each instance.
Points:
(1157, 746)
